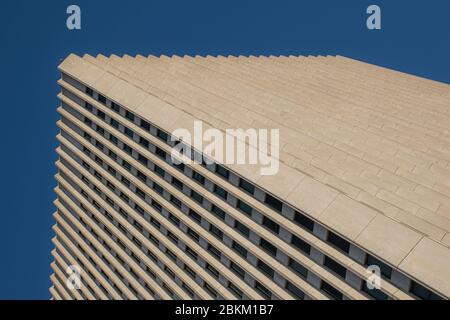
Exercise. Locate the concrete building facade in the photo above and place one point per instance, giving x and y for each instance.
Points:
(363, 180)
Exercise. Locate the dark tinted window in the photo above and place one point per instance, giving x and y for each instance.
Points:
(218, 212)
(374, 293)
(273, 203)
(266, 245)
(220, 192)
(339, 242)
(300, 244)
(242, 229)
(240, 249)
(197, 176)
(270, 224)
(222, 171)
(297, 267)
(247, 186)
(263, 290)
(304, 221)
(335, 267)
(265, 268)
(145, 125)
(244, 207)
(295, 291)
(422, 292)
(89, 91)
(238, 270)
(331, 291)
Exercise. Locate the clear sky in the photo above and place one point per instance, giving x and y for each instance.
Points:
(415, 38)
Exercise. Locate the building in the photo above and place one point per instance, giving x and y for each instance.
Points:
(363, 180)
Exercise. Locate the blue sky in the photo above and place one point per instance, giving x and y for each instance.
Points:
(415, 38)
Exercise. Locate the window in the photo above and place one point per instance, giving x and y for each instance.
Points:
(304, 221)
(210, 290)
(245, 208)
(162, 135)
(238, 270)
(235, 290)
(191, 252)
(159, 170)
(331, 291)
(143, 160)
(174, 219)
(213, 270)
(218, 212)
(141, 176)
(171, 255)
(177, 183)
(339, 242)
(140, 193)
(143, 142)
(139, 209)
(214, 251)
(335, 267)
(239, 249)
(263, 290)
(113, 139)
(172, 237)
(197, 176)
(101, 114)
(193, 234)
(295, 291)
(112, 154)
(89, 91)
(87, 121)
(190, 271)
(115, 107)
(247, 186)
(160, 153)
(126, 165)
(188, 290)
(297, 267)
(242, 228)
(88, 106)
(114, 123)
(127, 149)
(222, 171)
(422, 292)
(129, 115)
(156, 205)
(273, 203)
(155, 223)
(196, 196)
(158, 188)
(265, 268)
(220, 192)
(374, 293)
(266, 245)
(129, 132)
(384, 268)
(300, 244)
(194, 215)
(270, 224)
(179, 166)
(145, 125)
(216, 231)
(175, 201)
(102, 99)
